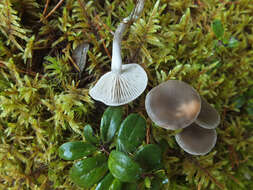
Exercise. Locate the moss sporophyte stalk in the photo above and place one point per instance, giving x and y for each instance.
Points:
(54, 135)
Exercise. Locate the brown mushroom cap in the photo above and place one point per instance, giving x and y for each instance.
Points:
(173, 104)
(196, 140)
(208, 117)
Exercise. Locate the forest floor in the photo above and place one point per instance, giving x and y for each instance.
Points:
(44, 100)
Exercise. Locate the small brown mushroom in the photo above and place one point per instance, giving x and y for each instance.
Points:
(173, 105)
(196, 140)
(208, 117)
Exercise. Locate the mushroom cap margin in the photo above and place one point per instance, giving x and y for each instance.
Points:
(196, 140)
(118, 89)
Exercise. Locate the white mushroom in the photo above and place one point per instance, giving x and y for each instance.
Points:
(208, 117)
(173, 105)
(123, 83)
(196, 140)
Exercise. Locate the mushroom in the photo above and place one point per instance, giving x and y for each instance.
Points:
(173, 105)
(123, 83)
(208, 117)
(196, 140)
(176, 105)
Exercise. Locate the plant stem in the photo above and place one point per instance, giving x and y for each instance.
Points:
(116, 47)
(54, 9)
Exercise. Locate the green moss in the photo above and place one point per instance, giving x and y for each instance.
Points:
(44, 103)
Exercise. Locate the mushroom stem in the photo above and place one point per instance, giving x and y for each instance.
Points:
(116, 47)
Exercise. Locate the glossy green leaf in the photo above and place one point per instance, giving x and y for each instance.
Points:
(89, 135)
(110, 123)
(131, 133)
(109, 183)
(75, 150)
(123, 167)
(218, 28)
(116, 185)
(149, 157)
(105, 183)
(89, 171)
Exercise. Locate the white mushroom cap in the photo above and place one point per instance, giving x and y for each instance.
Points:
(114, 89)
(173, 104)
(196, 140)
(208, 117)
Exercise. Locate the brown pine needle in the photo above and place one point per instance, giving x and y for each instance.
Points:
(46, 6)
(75, 65)
(54, 9)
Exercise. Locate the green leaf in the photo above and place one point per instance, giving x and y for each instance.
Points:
(123, 167)
(147, 182)
(218, 28)
(116, 185)
(105, 183)
(149, 157)
(75, 150)
(110, 123)
(89, 135)
(131, 133)
(88, 172)
(109, 183)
